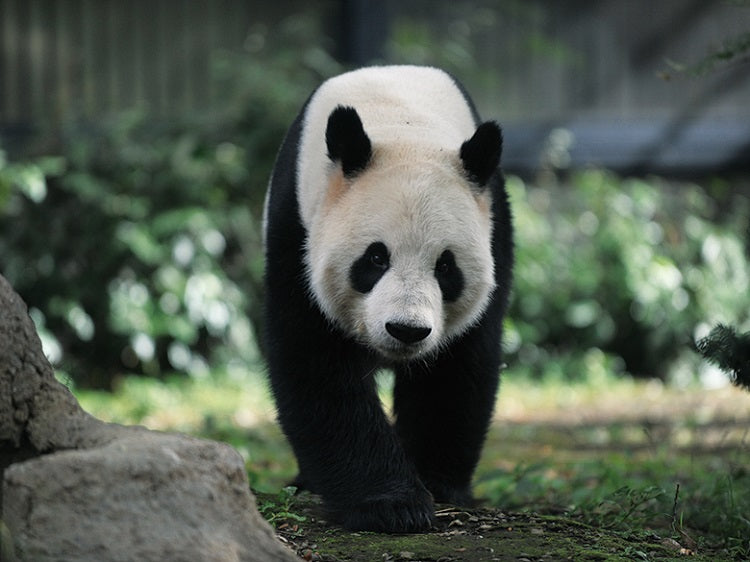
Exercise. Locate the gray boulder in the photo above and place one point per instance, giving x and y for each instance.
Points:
(76, 489)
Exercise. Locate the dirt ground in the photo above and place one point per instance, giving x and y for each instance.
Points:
(562, 425)
(476, 535)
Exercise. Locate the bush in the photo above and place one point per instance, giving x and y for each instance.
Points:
(138, 247)
(636, 268)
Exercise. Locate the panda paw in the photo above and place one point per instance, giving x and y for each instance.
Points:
(391, 514)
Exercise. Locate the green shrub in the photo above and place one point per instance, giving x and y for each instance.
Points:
(138, 246)
(636, 268)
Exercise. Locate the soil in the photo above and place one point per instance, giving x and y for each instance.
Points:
(470, 535)
(706, 424)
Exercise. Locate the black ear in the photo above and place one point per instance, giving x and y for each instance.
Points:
(481, 153)
(347, 141)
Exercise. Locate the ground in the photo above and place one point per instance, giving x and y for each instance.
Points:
(473, 535)
(644, 466)
(603, 469)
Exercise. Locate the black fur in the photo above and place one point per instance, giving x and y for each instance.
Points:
(347, 141)
(481, 153)
(449, 276)
(374, 475)
(369, 268)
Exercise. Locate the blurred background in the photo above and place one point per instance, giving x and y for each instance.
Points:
(136, 140)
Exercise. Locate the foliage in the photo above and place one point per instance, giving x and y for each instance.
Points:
(457, 40)
(603, 475)
(730, 351)
(633, 267)
(138, 246)
(280, 510)
(633, 476)
(631, 496)
(734, 50)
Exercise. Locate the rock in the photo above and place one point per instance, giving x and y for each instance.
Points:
(37, 414)
(76, 488)
(145, 496)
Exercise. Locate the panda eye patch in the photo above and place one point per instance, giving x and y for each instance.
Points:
(367, 270)
(449, 276)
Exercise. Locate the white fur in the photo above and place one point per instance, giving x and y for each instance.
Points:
(400, 106)
(413, 197)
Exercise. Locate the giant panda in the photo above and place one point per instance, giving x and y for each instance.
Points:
(388, 244)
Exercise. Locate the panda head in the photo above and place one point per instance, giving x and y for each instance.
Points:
(400, 255)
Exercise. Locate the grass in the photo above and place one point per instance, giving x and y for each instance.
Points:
(634, 457)
(279, 509)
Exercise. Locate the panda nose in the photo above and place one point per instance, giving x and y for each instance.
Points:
(407, 334)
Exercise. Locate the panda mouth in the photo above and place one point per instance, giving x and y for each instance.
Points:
(399, 352)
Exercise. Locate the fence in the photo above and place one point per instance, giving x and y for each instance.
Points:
(93, 57)
(592, 66)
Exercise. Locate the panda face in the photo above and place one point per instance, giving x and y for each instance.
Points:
(396, 209)
(400, 258)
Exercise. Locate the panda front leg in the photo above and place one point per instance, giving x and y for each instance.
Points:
(346, 449)
(443, 409)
